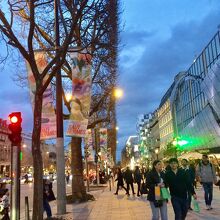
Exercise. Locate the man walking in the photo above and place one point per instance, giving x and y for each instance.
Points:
(191, 173)
(137, 179)
(128, 176)
(205, 173)
(179, 184)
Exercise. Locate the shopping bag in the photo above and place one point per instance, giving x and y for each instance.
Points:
(157, 193)
(195, 203)
(165, 193)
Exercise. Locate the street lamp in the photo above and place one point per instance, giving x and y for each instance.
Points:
(118, 93)
(156, 152)
(68, 96)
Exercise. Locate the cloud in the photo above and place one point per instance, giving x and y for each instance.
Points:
(146, 80)
(132, 38)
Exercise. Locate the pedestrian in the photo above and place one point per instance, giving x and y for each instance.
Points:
(205, 173)
(144, 172)
(191, 173)
(4, 204)
(67, 177)
(167, 166)
(156, 178)
(112, 177)
(47, 196)
(120, 183)
(26, 178)
(137, 179)
(128, 176)
(179, 184)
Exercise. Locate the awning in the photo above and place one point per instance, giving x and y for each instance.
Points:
(191, 155)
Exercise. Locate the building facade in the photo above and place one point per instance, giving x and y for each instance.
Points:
(196, 98)
(165, 119)
(5, 149)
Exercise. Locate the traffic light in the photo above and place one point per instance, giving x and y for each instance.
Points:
(15, 128)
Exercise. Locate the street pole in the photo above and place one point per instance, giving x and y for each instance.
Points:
(60, 161)
(15, 185)
(87, 169)
(96, 152)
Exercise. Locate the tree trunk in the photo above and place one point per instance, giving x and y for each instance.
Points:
(78, 187)
(37, 161)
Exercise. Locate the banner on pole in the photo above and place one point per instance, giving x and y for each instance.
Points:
(48, 117)
(89, 152)
(80, 104)
(103, 143)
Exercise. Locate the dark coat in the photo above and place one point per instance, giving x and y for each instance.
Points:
(191, 173)
(120, 179)
(179, 183)
(48, 192)
(137, 176)
(128, 176)
(151, 181)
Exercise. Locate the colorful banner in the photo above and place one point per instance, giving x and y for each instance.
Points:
(103, 143)
(89, 152)
(48, 117)
(80, 104)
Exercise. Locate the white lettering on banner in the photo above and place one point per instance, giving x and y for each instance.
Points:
(81, 91)
(77, 128)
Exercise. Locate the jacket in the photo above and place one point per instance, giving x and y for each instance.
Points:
(137, 176)
(179, 183)
(206, 173)
(191, 173)
(120, 179)
(152, 180)
(128, 176)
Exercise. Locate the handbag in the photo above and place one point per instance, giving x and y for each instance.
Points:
(157, 193)
(165, 193)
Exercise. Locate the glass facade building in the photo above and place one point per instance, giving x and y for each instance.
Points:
(195, 99)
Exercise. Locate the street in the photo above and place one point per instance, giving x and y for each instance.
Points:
(109, 206)
(27, 190)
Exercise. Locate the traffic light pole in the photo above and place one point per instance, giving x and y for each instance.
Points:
(15, 185)
(15, 138)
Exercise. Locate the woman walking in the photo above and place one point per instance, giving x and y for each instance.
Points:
(120, 181)
(155, 179)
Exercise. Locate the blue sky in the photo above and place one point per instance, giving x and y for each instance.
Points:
(159, 38)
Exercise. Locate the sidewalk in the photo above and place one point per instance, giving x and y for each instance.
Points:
(81, 210)
(121, 207)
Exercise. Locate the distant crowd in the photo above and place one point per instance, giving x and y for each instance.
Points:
(175, 181)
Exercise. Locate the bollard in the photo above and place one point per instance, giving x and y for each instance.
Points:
(27, 216)
(109, 185)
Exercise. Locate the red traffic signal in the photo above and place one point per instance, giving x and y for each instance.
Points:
(15, 118)
(15, 128)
